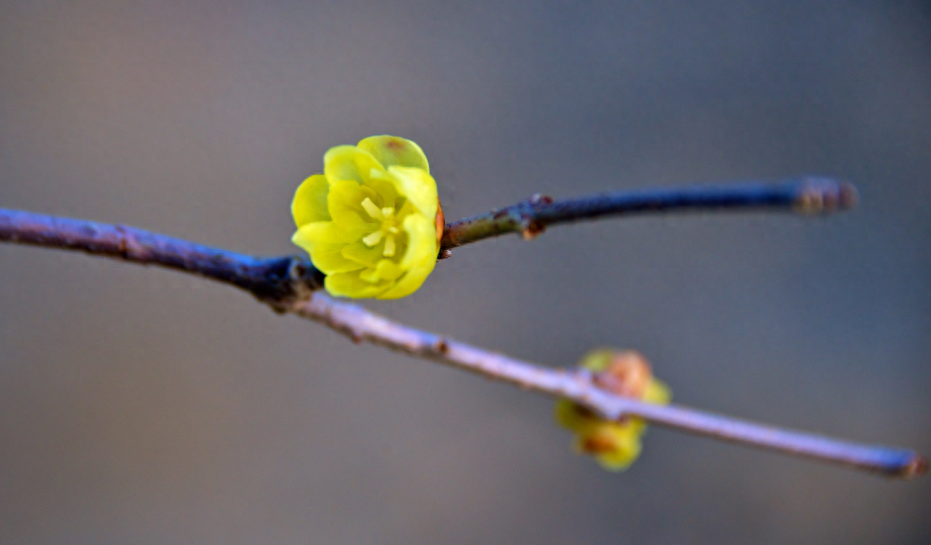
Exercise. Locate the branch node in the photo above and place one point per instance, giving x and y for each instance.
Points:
(537, 198)
(122, 245)
(531, 229)
(441, 346)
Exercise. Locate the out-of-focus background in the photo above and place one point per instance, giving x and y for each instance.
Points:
(145, 406)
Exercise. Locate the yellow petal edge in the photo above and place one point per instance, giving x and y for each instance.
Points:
(370, 221)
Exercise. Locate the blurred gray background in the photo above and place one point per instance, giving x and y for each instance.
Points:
(145, 406)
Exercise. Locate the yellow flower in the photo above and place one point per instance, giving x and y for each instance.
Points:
(615, 445)
(372, 221)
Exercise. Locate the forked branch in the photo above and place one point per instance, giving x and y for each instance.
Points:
(291, 284)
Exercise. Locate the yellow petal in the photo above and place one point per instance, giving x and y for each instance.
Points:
(386, 188)
(569, 416)
(657, 393)
(626, 449)
(395, 151)
(418, 187)
(419, 258)
(324, 242)
(421, 242)
(597, 360)
(310, 201)
(328, 259)
(350, 285)
(361, 253)
(637, 424)
(410, 282)
(323, 232)
(349, 163)
(345, 205)
(389, 270)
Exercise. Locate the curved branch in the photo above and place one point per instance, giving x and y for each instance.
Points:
(287, 284)
(812, 195)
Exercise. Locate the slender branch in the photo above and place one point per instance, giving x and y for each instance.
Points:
(271, 278)
(360, 325)
(288, 284)
(812, 195)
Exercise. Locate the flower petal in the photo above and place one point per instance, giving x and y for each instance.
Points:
(350, 285)
(360, 253)
(328, 259)
(625, 448)
(388, 270)
(409, 283)
(323, 232)
(395, 151)
(569, 416)
(419, 188)
(658, 393)
(597, 360)
(345, 205)
(349, 163)
(419, 258)
(421, 242)
(386, 188)
(310, 201)
(324, 242)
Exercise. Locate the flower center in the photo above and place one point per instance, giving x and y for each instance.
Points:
(388, 230)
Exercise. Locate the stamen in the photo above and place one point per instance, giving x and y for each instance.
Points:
(387, 211)
(373, 210)
(373, 239)
(389, 246)
(393, 230)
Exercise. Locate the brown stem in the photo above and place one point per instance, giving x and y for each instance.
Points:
(811, 195)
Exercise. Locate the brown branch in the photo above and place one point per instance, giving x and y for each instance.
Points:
(288, 284)
(267, 278)
(811, 195)
(360, 325)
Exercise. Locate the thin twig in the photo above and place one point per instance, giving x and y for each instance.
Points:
(360, 325)
(288, 284)
(812, 195)
(267, 278)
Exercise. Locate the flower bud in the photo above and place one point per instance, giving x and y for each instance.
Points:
(614, 444)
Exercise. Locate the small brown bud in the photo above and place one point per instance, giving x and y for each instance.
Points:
(627, 374)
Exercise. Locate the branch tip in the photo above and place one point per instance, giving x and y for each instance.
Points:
(529, 218)
(824, 195)
(917, 467)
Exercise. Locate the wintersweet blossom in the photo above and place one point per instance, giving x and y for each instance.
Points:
(615, 445)
(372, 222)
